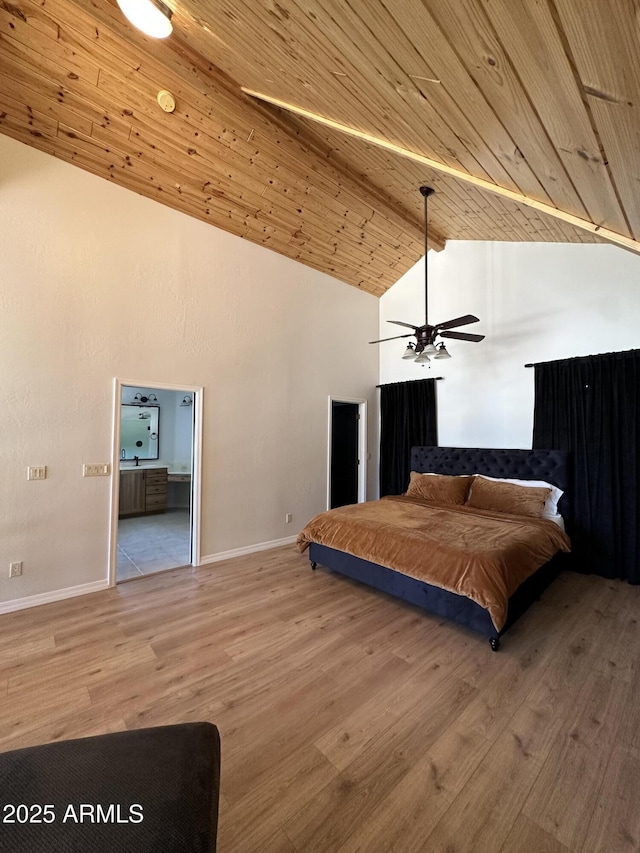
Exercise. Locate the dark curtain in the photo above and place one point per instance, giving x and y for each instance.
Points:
(591, 407)
(407, 417)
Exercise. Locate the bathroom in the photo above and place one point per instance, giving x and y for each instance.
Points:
(155, 481)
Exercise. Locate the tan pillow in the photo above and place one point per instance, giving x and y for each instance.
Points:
(507, 497)
(438, 488)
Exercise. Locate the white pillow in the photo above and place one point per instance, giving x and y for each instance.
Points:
(550, 510)
(557, 519)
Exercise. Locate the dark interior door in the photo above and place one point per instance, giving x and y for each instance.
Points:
(344, 453)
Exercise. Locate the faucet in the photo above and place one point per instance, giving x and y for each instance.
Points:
(137, 461)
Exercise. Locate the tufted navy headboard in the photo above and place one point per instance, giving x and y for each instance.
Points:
(549, 465)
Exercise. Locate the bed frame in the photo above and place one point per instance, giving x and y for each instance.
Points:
(549, 465)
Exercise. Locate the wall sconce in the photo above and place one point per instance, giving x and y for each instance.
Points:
(145, 399)
(186, 400)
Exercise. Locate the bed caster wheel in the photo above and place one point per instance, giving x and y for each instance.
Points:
(494, 642)
(314, 565)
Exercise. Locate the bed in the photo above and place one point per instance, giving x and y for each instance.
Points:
(547, 465)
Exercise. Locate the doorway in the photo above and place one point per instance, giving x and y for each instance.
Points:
(347, 452)
(156, 463)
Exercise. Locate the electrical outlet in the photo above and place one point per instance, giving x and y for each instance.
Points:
(37, 472)
(96, 470)
(288, 518)
(15, 569)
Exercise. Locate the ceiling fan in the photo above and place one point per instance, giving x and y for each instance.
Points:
(425, 335)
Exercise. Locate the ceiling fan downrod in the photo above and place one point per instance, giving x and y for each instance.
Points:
(426, 192)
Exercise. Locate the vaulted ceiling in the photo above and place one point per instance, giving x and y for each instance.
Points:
(308, 125)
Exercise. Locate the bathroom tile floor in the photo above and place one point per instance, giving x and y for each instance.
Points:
(152, 543)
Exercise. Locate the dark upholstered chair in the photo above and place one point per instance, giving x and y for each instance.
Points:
(146, 791)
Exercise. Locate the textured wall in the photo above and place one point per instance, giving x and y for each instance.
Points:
(98, 282)
(536, 302)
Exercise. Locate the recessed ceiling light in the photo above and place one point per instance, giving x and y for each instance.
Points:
(150, 16)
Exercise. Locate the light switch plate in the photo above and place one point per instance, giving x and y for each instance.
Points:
(37, 472)
(100, 470)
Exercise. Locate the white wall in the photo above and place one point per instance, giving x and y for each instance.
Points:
(98, 283)
(536, 302)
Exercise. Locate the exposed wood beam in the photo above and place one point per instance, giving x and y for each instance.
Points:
(584, 224)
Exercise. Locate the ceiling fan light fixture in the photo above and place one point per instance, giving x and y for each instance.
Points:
(442, 352)
(150, 16)
(409, 352)
(423, 358)
(431, 349)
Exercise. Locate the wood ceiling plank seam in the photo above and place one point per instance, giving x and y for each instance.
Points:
(318, 212)
(468, 195)
(340, 190)
(375, 99)
(610, 82)
(529, 218)
(34, 79)
(27, 37)
(540, 222)
(486, 160)
(403, 223)
(619, 144)
(472, 38)
(91, 147)
(587, 107)
(534, 223)
(334, 88)
(331, 242)
(35, 72)
(36, 123)
(492, 211)
(450, 150)
(337, 178)
(382, 207)
(615, 237)
(420, 175)
(37, 20)
(469, 116)
(12, 85)
(530, 33)
(307, 134)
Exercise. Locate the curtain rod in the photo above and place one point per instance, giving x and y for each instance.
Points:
(627, 353)
(434, 378)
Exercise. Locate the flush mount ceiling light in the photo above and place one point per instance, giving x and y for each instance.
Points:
(425, 345)
(150, 16)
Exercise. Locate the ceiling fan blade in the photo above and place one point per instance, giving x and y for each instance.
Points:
(390, 339)
(399, 323)
(462, 336)
(459, 321)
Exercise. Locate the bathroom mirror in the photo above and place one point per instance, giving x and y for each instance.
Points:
(139, 432)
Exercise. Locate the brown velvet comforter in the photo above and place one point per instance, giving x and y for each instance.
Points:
(482, 555)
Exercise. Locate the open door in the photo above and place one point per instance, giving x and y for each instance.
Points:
(155, 506)
(347, 453)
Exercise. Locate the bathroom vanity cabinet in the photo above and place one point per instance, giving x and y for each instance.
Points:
(142, 491)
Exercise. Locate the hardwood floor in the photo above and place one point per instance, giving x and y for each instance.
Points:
(349, 720)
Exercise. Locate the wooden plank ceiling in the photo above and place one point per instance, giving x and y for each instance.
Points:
(539, 99)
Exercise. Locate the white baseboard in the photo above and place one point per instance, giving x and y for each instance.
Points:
(54, 595)
(247, 549)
